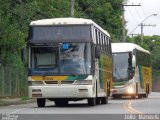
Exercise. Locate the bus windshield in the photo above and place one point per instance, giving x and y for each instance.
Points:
(61, 59)
(121, 66)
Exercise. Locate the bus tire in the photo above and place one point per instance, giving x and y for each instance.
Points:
(98, 101)
(108, 90)
(41, 102)
(97, 98)
(104, 100)
(147, 91)
(91, 101)
(145, 95)
(140, 96)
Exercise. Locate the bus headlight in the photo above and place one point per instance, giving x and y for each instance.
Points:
(130, 90)
(83, 82)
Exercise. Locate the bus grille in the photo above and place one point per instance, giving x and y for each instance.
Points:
(59, 82)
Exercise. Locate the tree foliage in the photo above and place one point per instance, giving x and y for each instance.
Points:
(107, 13)
(15, 16)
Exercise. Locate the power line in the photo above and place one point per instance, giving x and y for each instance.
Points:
(143, 11)
(150, 30)
(137, 11)
(142, 25)
(123, 20)
(131, 13)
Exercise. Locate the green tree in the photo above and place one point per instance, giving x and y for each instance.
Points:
(106, 13)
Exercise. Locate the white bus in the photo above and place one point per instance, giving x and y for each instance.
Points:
(70, 59)
(132, 72)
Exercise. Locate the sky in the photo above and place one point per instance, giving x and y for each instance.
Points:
(134, 15)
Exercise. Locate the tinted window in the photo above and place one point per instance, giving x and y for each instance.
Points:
(63, 33)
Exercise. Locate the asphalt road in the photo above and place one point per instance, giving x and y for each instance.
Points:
(115, 108)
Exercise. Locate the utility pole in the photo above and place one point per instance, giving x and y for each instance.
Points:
(72, 8)
(124, 22)
(142, 25)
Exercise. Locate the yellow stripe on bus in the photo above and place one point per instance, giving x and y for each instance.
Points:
(43, 78)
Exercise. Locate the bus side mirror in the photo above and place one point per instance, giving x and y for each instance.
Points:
(97, 52)
(133, 61)
(130, 59)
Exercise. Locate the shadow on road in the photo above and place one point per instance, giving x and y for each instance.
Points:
(71, 105)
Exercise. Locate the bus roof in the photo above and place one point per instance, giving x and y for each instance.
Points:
(126, 47)
(66, 21)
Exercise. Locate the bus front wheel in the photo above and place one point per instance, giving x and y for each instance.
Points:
(41, 102)
(91, 101)
(147, 91)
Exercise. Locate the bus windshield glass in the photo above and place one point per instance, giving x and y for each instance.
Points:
(61, 59)
(121, 66)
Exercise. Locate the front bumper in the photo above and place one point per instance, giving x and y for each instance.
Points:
(62, 91)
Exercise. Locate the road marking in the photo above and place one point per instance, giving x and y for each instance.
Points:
(17, 110)
(129, 107)
(125, 106)
(133, 109)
